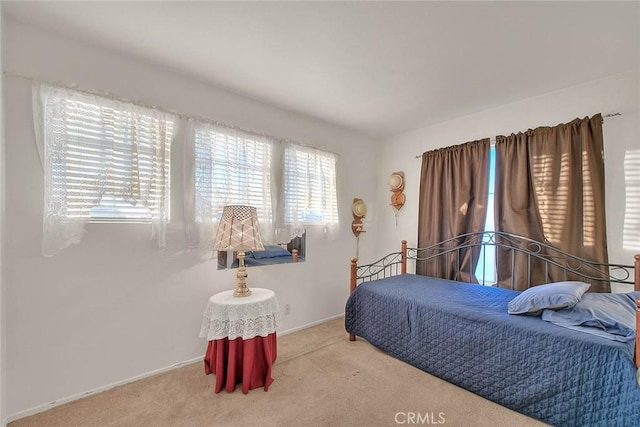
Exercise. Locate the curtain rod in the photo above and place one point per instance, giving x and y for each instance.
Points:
(153, 107)
(604, 116)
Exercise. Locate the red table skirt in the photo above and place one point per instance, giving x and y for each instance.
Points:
(241, 361)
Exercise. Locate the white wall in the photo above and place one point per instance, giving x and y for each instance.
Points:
(619, 93)
(115, 307)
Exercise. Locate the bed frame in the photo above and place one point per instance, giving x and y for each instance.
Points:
(574, 268)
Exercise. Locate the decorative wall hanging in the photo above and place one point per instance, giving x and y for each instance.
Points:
(396, 184)
(359, 210)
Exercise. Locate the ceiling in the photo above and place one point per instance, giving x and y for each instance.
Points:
(379, 68)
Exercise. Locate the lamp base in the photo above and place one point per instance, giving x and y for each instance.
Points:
(242, 290)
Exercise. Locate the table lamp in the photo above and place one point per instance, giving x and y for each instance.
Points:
(239, 231)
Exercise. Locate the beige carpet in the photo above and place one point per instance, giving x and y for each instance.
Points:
(321, 379)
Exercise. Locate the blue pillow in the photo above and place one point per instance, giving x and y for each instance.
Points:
(271, 251)
(552, 296)
(611, 316)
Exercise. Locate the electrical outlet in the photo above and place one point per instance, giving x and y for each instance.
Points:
(287, 309)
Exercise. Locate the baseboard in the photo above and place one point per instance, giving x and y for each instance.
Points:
(309, 325)
(50, 405)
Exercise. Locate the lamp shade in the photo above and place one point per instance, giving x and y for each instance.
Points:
(238, 230)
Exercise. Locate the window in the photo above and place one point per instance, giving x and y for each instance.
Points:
(231, 167)
(104, 161)
(238, 167)
(631, 230)
(290, 185)
(486, 268)
(107, 160)
(309, 186)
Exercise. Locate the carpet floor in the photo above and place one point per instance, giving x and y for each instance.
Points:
(320, 379)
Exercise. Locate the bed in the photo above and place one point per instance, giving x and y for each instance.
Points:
(463, 333)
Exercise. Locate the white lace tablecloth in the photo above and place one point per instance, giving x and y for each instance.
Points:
(232, 317)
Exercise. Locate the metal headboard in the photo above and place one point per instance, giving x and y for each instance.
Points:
(389, 265)
(574, 268)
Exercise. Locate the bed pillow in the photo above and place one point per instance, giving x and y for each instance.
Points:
(271, 251)
(611, 316)
(552, 296)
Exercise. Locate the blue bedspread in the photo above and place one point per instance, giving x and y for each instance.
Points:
(462, 333)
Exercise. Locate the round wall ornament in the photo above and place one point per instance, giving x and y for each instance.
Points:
(396, 184)
(359, 211)
(396, 181)
(359, 208)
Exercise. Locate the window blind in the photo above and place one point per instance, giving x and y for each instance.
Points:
(631, 233)
(231, 167)
(107, 159)
(293, 183)
(309, 186)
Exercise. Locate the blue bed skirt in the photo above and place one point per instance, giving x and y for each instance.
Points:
(462, 333)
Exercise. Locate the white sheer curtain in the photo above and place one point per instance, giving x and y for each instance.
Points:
(103, 159)
(292, 186)
(309, 190)
(225, 166)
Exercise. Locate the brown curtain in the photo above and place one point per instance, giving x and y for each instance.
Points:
(550, 188)
(453, 201)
